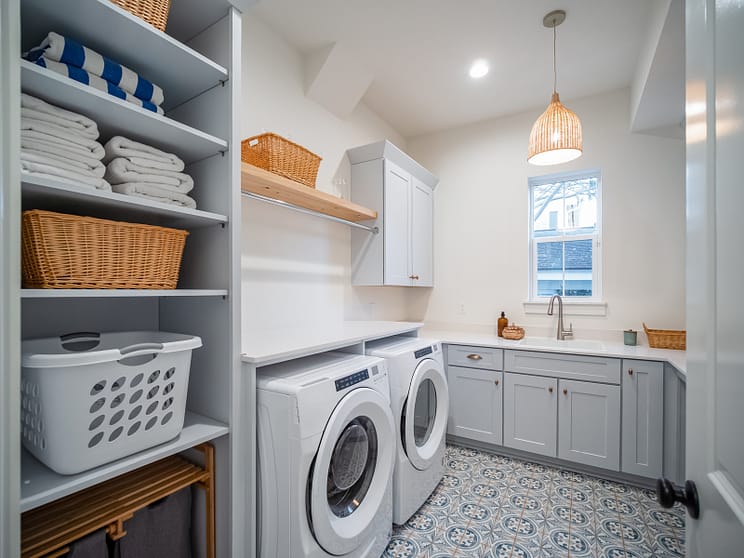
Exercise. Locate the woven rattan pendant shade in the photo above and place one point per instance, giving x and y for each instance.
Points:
(556, 136)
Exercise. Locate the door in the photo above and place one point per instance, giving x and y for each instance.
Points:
(530, 413)
(422, 231)
(643, 418)
(475, 404)
(397, 226)
(425, 414)
(715, 261)
(589, 423)
(353, 468)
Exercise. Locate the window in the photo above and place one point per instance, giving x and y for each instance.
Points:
(565, 236)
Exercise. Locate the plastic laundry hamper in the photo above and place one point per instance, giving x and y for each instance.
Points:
(91, 398)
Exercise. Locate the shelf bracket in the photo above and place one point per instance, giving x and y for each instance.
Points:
(373, 230)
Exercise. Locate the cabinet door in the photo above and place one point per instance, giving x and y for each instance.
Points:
(530, 413)
(396, 226)
(475, 404)
(643, 417)
(589, 423)
(422, 224)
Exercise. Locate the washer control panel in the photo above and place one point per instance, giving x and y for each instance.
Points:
(423, 352)
(348, 381)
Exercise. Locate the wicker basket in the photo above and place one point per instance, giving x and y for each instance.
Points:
(62, 251)
(513, 332)
(281, 156)
(154, 12)
(666, 338)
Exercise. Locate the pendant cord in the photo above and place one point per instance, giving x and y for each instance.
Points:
(555, 73)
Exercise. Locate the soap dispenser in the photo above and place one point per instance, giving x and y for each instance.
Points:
(501, 324)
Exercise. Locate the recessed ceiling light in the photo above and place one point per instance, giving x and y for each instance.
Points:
(478, 69)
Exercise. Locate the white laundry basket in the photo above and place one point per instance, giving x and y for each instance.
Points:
(91, 398)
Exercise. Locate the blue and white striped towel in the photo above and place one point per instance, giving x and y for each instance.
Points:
(68, 51)
(73, 72)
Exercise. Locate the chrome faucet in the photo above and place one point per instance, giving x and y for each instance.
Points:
(562, 333)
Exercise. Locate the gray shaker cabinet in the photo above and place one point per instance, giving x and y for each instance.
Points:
(530, 413)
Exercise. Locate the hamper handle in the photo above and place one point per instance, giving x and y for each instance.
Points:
(141, 349)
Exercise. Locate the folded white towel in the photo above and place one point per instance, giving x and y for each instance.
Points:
(155, 193)
(96, 170)
(141, 154)
(54, 146)
(49, 132)
(63, 175)
(121, 171)
(31, 107)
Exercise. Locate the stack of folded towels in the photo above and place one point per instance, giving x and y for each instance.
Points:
(71, 59)
(140, 170)
(59, 144)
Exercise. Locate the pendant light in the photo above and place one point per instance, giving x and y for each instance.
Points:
(556, 135)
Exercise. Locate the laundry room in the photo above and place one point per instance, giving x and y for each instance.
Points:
(288, 279)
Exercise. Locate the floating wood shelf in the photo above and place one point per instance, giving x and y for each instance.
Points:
(264, 183)
(49, 530)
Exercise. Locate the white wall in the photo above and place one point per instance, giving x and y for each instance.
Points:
(481, 221)
(296, 268)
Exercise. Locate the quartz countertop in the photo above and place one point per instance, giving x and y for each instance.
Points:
(273, 345)
(677, 359)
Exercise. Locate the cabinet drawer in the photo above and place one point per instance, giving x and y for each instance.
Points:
(475, 357)
(571, 367)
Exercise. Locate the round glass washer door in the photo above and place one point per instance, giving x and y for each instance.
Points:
(350, 479)
(425, 414)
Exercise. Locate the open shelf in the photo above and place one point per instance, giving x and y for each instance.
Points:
(118, 293)
(115, 33)
(40, 485)
(117, 117)
(269, 185)
(46, 193)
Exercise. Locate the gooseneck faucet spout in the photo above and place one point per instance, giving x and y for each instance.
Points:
(562, 333)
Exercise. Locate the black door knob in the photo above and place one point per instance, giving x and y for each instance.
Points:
(667, 493)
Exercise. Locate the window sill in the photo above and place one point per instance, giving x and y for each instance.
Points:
(570, 308)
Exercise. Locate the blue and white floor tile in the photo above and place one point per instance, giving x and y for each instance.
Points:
(492, 506)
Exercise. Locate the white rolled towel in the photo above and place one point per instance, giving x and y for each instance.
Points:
(155, 193)
(64, 175)
(72, 142)
(122, 171)
(141, 154)
(96, 169)
(54, 146)
(32, 107)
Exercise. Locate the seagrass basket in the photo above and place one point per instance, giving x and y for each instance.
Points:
(60, 251)
(666, 338)
(281, 156)
(154, 12)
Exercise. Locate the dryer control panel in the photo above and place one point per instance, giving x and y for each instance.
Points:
(348, 381)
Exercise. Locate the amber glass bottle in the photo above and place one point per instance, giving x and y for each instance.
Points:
(502, 323)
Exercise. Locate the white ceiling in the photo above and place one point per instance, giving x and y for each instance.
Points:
(419, 51)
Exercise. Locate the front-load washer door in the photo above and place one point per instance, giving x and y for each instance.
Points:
(352, 471)
(424, 418)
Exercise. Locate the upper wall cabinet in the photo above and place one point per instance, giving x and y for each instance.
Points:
(387, 180)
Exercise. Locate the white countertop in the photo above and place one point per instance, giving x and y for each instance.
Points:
(269, 346)
(677, 359)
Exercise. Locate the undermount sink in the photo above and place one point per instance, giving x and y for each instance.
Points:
(549, 343)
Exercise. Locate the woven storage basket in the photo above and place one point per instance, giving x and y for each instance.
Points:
(666, 338)
(281, 156)
(62, 251)
(513, 332)
(154, 12)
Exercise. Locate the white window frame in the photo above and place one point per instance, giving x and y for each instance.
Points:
(597, 237)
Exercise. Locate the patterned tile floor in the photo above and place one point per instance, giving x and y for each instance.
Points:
(491, 506)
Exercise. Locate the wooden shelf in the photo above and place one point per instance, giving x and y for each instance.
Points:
(179, 70)
(40, 485)
(49, 194)
(115, 116)
(264, 183)
(119, 293)
(50, 530)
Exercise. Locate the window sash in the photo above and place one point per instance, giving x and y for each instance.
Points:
(596, 294)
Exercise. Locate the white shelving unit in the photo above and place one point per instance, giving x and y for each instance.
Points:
(197, 62)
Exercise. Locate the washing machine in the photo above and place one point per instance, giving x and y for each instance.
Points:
(419, 398)
(326, 451)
